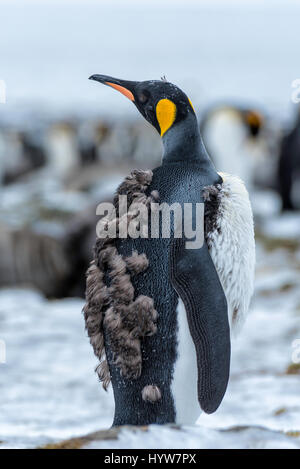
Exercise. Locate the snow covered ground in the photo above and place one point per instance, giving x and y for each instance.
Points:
(50, 393)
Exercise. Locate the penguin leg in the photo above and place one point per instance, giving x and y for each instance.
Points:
(194, 277)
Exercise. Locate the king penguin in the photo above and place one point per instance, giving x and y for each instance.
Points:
(158, 313)
(238, 139)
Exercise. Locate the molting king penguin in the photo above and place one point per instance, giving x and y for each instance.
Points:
(158, 313)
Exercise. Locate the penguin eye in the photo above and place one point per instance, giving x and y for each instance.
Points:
(143, 97)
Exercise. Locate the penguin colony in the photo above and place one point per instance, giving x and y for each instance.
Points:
(159, 315)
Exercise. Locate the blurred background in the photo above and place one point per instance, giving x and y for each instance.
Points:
(66, 143)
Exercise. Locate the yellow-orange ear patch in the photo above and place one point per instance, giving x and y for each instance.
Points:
(254, 118)
(192, 105)
(122, 90)
(165, 114)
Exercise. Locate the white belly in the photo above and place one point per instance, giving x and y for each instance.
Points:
(184, 384)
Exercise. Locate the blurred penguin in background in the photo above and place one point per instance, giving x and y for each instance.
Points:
(62, 149)
(11, 153)
(289, 167)
(21, 152)
(238, 140)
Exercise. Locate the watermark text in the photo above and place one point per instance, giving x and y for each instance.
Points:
(152, 221)
(296, 351)
(2, 92)
(295, 96)
(2, 352)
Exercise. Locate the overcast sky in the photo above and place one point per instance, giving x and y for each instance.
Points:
(242, 50)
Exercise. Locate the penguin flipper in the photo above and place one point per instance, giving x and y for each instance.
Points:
(196, 281)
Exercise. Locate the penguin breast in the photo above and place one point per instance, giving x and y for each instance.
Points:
(185, 375)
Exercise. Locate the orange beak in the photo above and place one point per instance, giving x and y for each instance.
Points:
(123, 86)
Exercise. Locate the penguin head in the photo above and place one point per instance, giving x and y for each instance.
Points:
(161, 103)
(253, 121)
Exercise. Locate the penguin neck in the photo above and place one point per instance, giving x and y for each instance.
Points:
(183, 143)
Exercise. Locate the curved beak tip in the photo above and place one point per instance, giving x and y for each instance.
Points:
(97, 77)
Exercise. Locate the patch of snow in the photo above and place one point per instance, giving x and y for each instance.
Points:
(198, 437)
(49, 391)
(265, 203)
(285, 226)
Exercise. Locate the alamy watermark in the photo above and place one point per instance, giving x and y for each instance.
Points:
(2, 352)
(152, 221)
(2, 92)
(295, 96)
(296, 351)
